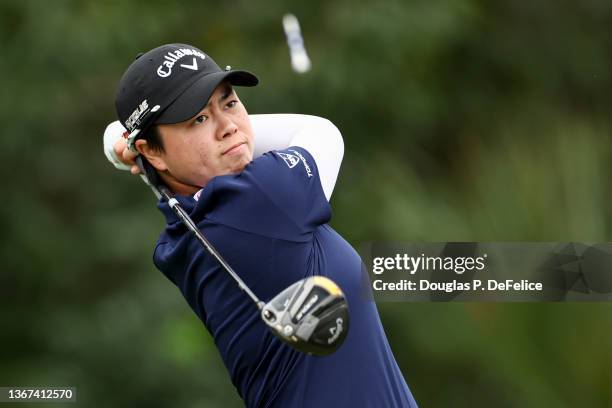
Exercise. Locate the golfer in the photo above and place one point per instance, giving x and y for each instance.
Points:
(258, 187)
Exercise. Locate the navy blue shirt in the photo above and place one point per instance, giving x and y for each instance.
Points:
(270, 224)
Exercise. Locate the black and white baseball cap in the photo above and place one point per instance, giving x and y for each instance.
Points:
(170, 84)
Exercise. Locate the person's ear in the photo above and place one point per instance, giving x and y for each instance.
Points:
(153, 156)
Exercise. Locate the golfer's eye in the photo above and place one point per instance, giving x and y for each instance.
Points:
(200, 119)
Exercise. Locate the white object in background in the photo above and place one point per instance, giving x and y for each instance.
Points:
(299, 59)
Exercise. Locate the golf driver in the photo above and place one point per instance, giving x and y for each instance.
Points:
(310, 315)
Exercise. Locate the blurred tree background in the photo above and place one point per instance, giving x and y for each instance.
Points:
(464, 120)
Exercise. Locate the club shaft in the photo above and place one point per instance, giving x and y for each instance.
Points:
(178, 210)
(188, 222)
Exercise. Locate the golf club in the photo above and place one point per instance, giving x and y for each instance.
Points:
(310, 315)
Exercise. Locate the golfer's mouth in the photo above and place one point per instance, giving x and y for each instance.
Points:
(234, 149)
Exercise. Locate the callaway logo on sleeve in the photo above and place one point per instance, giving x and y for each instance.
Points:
(294, 158)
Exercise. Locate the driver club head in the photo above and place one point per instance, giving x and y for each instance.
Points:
(311, 315)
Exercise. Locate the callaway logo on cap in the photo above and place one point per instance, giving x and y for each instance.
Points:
(165, 69)
(170, 84)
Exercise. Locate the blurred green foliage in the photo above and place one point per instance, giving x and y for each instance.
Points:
(463, 120)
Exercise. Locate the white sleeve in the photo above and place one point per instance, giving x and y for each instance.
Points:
(320, 137)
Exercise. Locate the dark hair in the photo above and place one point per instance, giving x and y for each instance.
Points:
(153, 139)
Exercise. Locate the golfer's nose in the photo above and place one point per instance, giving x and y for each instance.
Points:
(227, 127)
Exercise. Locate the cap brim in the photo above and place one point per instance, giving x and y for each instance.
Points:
(193, 100)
